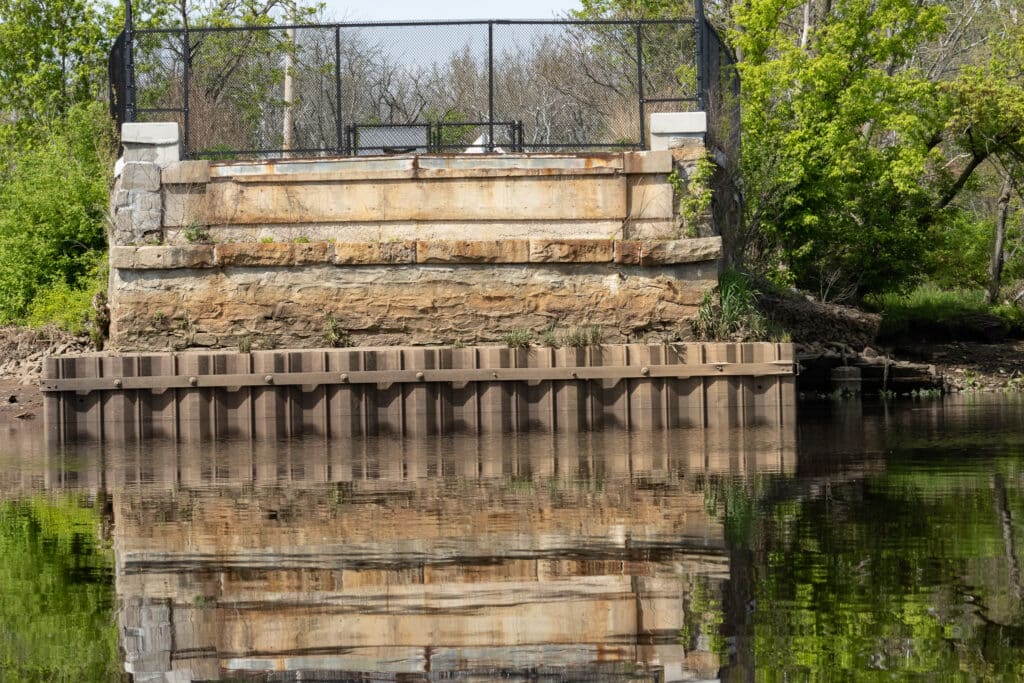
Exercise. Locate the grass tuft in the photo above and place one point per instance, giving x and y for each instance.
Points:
(518, 338)
(731, 313)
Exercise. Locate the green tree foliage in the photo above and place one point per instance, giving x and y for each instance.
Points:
(53, 54)
(53, 208)
(57, 598)
(872, 131)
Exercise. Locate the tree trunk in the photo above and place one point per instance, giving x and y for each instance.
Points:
(807, 25)
(995, 270)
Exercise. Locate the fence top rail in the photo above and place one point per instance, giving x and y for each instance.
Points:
(420, 23)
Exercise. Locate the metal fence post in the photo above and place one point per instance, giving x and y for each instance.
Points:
(186, 85)
(129, 62)
(490, 86)
(337, 90)
(701, 49)
(640, 83)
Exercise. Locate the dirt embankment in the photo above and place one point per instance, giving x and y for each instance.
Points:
(829, 335)
(22, 351)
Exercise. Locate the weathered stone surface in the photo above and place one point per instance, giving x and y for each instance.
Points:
(278, 254)
(664, 252)
(357, 253)
(183, 209)
(473, 251)
(374, 253)
(688, 151)
(650, 229)
(647, 162)
(402, 304)
(583, 197)
(398, 251)
(161, 155)
(137, 216)
(650, 196)
(184, 206)
(190, 172)
(312, 253)
(138, 175)
(571, 251)
(669, 130)
(162, 257)
(193, 256)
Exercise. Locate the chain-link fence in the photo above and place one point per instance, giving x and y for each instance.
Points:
(356, 89)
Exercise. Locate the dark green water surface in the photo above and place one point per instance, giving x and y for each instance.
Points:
(859, 542)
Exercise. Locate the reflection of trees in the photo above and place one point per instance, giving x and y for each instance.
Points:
(57, 594)
(914, 573)
(570, 84)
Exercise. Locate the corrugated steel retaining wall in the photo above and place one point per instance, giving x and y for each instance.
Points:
(415, 391)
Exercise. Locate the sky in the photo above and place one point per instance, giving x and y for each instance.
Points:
(392, 10)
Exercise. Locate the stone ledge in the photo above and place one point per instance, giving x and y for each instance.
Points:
(273, 254)
(667, 252)
(571, 251)
(374, 253)
(473, 251)
(409, 252)
(161, 257)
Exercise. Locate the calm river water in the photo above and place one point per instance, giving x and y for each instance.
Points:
(865, 541)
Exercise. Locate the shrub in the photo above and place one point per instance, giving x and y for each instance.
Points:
(53, 208)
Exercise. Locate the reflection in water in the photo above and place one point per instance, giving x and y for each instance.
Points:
(873, 542)
(592, 555)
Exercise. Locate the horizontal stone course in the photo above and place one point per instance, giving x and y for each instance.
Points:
(273, 254)
(473, 251)
(398, 304)
(289, 254)
(662, 252)
(571, 251)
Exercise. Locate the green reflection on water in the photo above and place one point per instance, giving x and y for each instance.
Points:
(56, 592)
(909, 573)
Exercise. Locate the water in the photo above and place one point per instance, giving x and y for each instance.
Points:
(864, 542)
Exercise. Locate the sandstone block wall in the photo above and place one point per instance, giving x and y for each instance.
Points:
(411, 249)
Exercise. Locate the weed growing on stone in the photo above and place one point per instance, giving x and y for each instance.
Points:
(336, 336)
(245, 344)
(588, 335)
(266, 240)
(549, 337)
(518, 338)
(301, 239)
(196, 233)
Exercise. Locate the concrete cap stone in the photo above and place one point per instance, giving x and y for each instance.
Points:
(150, 133)
(679, 123)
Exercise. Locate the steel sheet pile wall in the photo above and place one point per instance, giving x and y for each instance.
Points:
(415, 391)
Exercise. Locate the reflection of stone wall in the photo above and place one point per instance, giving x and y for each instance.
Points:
(575, 553)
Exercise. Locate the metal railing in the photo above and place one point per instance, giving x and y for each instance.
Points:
(378, 88)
